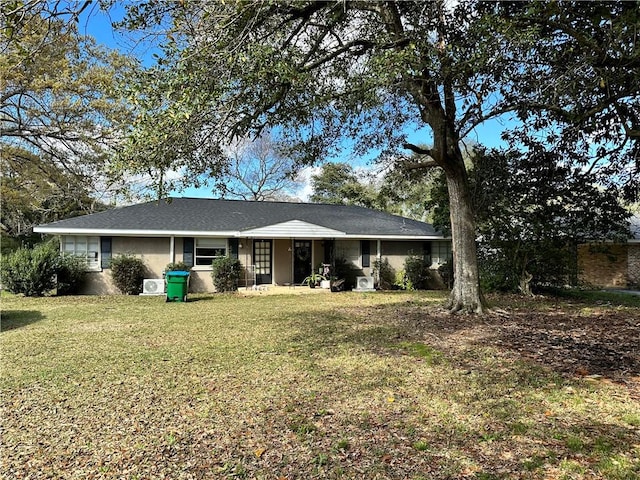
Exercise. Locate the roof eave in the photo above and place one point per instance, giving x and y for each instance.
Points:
(227, 234)
(132, 232)
(395, 237)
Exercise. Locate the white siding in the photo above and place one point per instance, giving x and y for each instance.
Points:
(293, 229)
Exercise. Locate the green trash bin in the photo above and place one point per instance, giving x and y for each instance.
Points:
(177, 286)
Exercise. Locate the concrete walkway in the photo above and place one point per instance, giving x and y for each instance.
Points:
(282, 290)
(628, 292)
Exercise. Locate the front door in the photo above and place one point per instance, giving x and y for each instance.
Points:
(262, 261)
(301, 260)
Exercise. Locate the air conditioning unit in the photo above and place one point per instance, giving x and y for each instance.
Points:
(153, 286)
(365, 284)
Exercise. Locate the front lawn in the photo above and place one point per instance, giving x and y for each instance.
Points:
(353, 385)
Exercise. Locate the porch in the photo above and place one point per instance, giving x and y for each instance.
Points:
(287, 262)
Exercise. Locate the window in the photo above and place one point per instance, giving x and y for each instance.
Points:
(440, 253)
(349, 250)
(209, 248)
(87, 248)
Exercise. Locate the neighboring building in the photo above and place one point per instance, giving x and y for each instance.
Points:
(277, 243)
(612, 265)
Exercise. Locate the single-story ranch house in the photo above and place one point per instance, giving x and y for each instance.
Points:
(277, 243)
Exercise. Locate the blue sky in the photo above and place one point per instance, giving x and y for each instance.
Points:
(98, 24)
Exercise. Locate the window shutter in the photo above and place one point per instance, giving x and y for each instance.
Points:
(329, 248)
(105, 252)
(233, 248)
(365, 248)
(187, 250)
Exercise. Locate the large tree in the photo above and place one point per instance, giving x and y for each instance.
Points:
(324, 73)
(388, 188)
(333, 75)
(257, 170)
(35, 191)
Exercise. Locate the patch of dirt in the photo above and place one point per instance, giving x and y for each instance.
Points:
(596, 342)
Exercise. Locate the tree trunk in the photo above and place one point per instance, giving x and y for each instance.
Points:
(525, 283)
(466, 296)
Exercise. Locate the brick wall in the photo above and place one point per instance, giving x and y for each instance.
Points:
(633, 262)
(603, 265)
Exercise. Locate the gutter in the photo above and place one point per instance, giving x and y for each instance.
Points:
(222, 234)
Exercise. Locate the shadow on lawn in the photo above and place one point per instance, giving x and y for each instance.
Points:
(564, 444)
(10, 320)
(537, 437)
(604, 343)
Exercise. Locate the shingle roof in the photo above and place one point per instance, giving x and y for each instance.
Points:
(209, 215)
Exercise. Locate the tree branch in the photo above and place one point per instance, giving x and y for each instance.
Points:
(417, 149)
(365, 45)
(421, 163)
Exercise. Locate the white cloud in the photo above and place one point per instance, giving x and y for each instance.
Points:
(304, 178)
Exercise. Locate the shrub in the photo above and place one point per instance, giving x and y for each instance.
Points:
(177, 267)
(8, 244)
(528, 267)
(127, 272)
(446, 273)
(497, 273)
(30, 271)
(384, 273)
(225, 274)
(71, 272)
(402, 281)
(417, 271)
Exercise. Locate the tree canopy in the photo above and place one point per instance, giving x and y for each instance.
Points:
(35, 191)
(392, 190)
(59, 101)
(575, 82)
(338, 183)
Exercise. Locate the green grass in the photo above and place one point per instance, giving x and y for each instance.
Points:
(312, 386)
(599, 297)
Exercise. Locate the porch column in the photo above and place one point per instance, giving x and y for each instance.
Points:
(379, 256)
(293, 259)
(172, 249)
